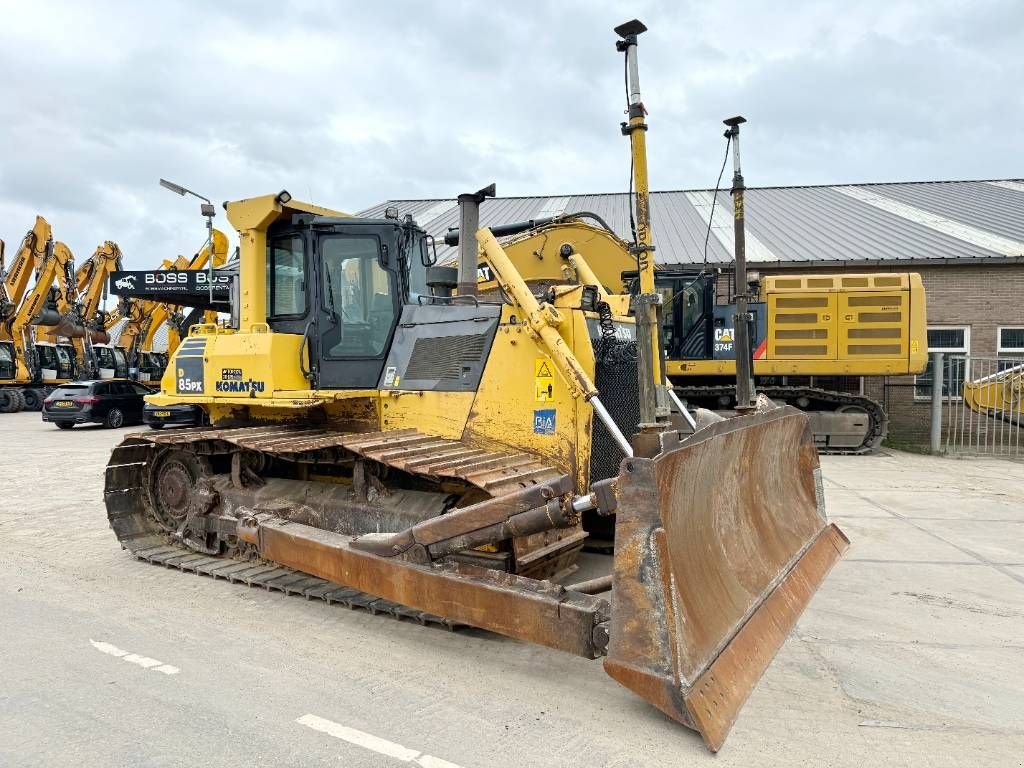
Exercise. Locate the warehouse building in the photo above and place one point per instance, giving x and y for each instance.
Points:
(965, 239)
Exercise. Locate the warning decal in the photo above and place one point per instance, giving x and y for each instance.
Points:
(544, 380)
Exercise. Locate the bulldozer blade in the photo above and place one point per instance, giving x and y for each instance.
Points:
(720, 543)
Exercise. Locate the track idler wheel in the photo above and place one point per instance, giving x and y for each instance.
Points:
(174, 486)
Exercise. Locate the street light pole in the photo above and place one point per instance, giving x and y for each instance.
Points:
(207, 210)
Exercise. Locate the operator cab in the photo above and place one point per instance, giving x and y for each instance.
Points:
(111, 362)
(341, 283)
(55, 364)
(6, 360)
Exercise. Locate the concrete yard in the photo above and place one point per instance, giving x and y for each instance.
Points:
(912, 654)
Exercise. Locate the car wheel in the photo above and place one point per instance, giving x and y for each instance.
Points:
(64, 424)
(8, 401)
(33, 399)
(17, 401)
(115, 419)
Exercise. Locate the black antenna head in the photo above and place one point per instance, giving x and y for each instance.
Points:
(630, 29)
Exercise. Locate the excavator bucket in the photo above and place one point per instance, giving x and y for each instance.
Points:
(720, 543)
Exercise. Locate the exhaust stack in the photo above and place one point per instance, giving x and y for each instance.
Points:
(469, 221)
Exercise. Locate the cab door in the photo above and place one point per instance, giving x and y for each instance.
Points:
(358, 304)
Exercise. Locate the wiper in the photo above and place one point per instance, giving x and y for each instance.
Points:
(330, 297)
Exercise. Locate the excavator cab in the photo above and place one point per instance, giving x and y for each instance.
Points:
(111, 362)
(6, 360)
(55, 364)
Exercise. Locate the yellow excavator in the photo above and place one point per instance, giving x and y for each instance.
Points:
(16, 392)
(33, 368)
(379, 442)
(999, 395)
(95, 358)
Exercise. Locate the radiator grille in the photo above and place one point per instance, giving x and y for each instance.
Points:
(793, 317)
(801, 302)
(875, 301)
(801, 333)
(874, 333)
(874, 349)
(444, 357)
(801, 349)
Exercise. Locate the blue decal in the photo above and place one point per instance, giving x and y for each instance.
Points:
(544, 422)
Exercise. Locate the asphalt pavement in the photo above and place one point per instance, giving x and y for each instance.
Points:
(911, 654)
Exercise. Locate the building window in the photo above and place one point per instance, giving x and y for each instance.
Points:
(955, 341)
(1010, 346)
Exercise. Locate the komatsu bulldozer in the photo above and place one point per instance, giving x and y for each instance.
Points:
(379, 442)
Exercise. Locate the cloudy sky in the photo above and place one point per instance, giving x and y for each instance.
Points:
(351, 103)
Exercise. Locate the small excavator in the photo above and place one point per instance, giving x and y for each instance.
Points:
(379, 442)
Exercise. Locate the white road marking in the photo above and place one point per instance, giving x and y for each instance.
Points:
(373, 743)
(134, 658)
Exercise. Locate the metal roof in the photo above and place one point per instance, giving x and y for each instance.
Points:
(915, 222)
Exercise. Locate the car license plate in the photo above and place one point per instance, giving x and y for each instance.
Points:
(161, 414)
(65, 404)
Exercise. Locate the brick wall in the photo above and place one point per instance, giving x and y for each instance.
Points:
(980, 296)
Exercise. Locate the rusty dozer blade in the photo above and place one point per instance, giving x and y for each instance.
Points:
(720, 543)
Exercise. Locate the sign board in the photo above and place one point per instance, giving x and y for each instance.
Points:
(158, 283)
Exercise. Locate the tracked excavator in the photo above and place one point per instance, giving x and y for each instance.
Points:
(379, 442)
(35, 368)
(94, 357)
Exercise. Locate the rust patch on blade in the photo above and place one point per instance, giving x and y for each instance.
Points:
(718, 548)
(718, 694)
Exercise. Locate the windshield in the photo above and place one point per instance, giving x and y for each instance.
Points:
(357, 297)
(47, 356)
(6, 353)
(104, 357)
(64, 356)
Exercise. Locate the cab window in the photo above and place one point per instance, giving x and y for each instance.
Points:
(358, 301)
(286, 277)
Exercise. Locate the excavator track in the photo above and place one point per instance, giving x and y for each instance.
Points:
(878, 423)
(147, 533)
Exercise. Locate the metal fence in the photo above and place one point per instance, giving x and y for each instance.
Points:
(977, 404)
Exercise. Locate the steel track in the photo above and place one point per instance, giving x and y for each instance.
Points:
(138, 528)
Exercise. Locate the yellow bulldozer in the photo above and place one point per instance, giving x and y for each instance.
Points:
(377, 441)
